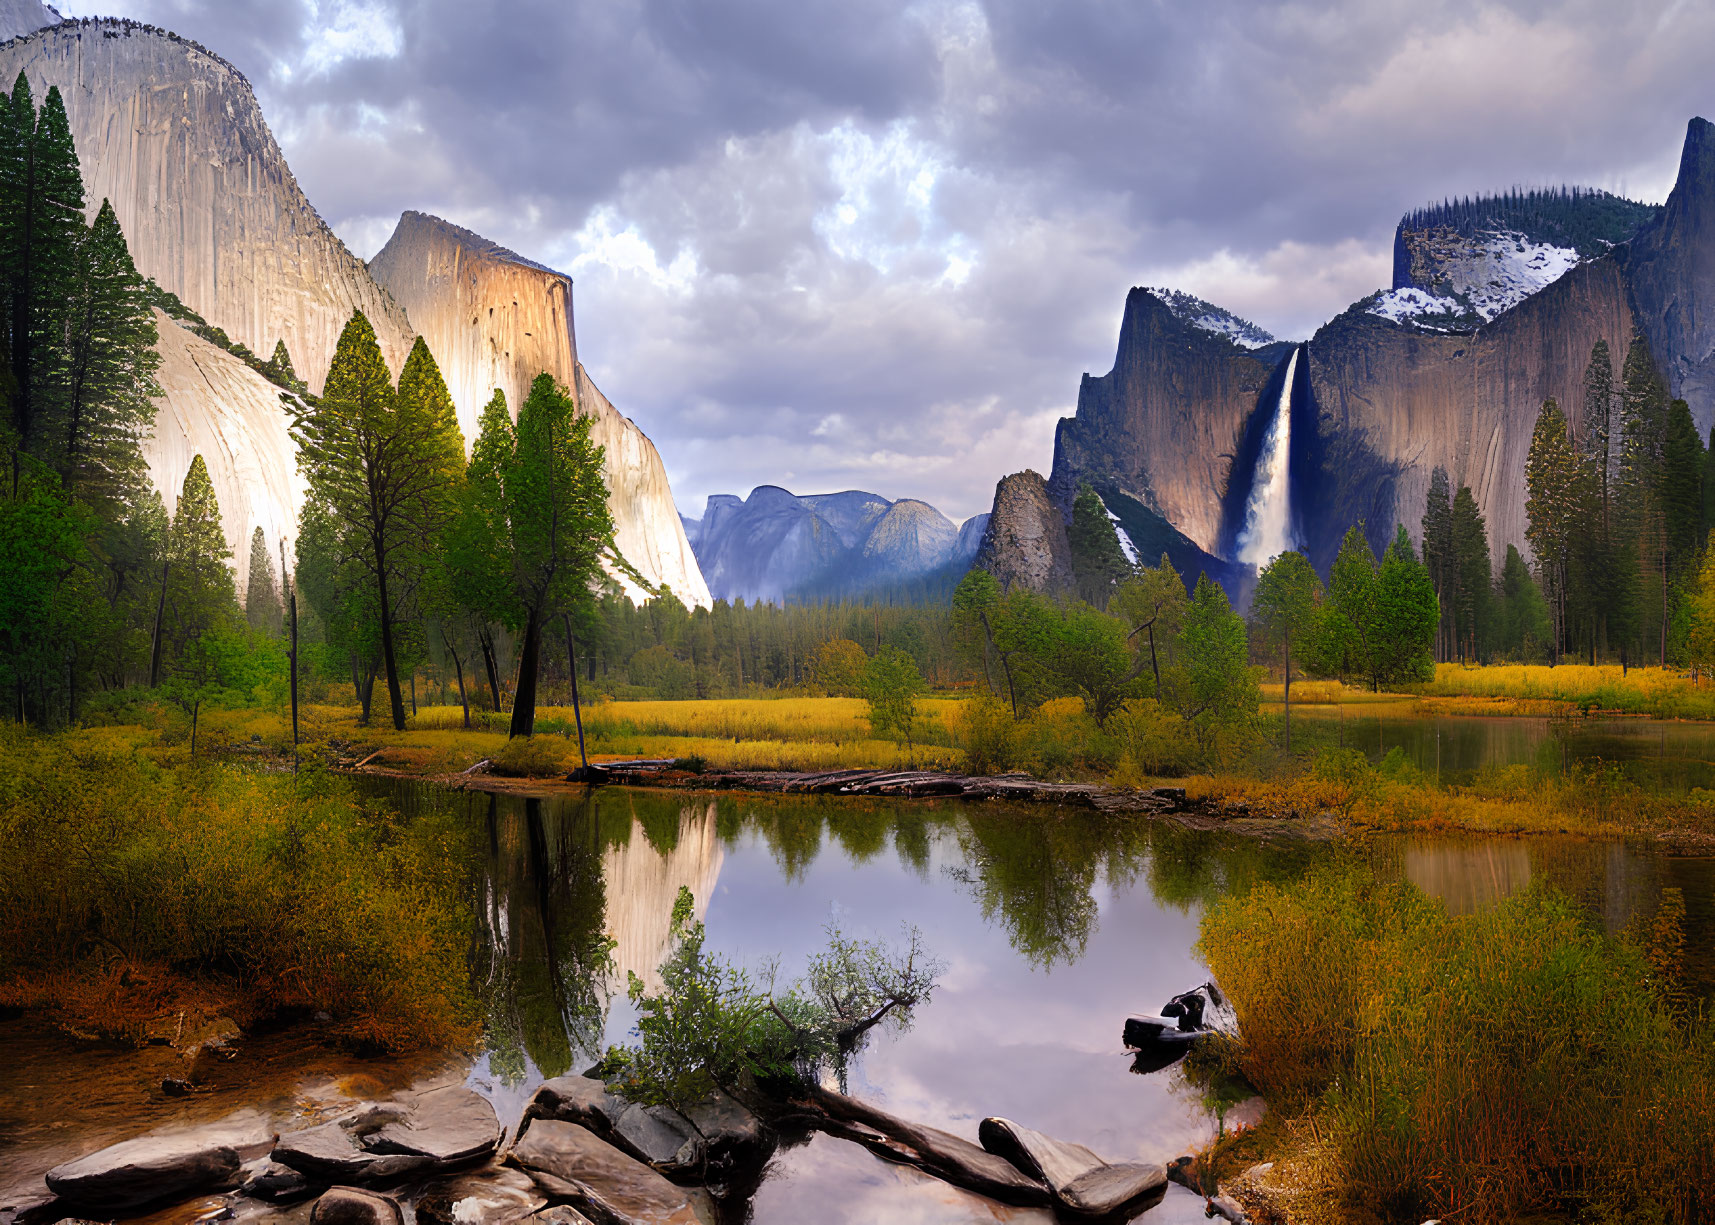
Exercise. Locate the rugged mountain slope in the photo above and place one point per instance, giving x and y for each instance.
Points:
(495, 319)
(776, 544)
(1447, 370)
(1163, 426)
(216, 406)
(1024, 543)
(172, 135)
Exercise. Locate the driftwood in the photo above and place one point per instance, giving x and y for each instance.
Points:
(913, 783)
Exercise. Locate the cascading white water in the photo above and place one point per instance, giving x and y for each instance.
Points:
(1267, 532)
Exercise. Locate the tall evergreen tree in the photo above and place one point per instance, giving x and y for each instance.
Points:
(1098, 561)
(1551, 510)
(105, 390)
(262, 607)
(478, 561)
(383, 466)
(1438, 556)
(1473, 575)
(1523, 623)
(1642, 493)
(41, 226)
(199, 592)
(1596, 426)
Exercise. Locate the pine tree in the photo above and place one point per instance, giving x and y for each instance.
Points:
(477, 552)
(1405, 613)
(1349, 628)
(1597, 421)
(1473, 574)
(1551, 478)
(382, 467)
(41, 225)
(278, 368)
(1524, 624)
(1098, 562)
(199, 593)
(1438, 556)
(1641, 502)
(106, 395)
(262, 607)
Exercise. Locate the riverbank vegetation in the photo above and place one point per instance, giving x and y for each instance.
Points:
(141, 886)
(1482, 1067)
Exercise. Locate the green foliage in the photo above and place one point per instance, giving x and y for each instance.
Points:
(1098, 562)
(262, 606)
(891, 685)
(840, 668)
(1212, 687)
(1523, 630)
(713, 1025)
(1380, 620)
(1152, 603)
(383, 468)
(1588, 219)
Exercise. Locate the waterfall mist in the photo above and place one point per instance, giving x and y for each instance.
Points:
(1267, 530)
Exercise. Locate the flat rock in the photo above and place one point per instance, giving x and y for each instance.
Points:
(577, 1099)
(453, 1125)
(1059, 1163)
(1107, 1190)
(350, 1206)
(492, 1197)
(143, 1170)
(733, 1134)
(333, 1153)
(572, 1163)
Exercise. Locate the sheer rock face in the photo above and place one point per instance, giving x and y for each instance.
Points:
(1025, 542)
(494, 319)
(1163, 425)
(1393, 404)
(1671, 266)
(172, 135)
(217, 407)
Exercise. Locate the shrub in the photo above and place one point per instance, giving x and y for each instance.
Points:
(994, 742)
(540, 756)
(1482, 1067)
(294, 892)
(1152, 739)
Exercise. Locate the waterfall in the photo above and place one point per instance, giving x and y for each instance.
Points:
(1268, 516)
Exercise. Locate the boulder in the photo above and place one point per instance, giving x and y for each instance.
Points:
(143, 1170)
(453, 1125)
(572, 1163)
(734, 1135)
(491, 1197)
(1108, 1190)
(577, 1099)
(275, 1183)
(661, 1136)
(350, 1206)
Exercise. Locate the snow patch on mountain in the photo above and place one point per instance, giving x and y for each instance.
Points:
(1420, 309)
(1472, 280)
(1211, 318)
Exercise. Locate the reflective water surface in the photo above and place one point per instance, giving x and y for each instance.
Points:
(1054, 926)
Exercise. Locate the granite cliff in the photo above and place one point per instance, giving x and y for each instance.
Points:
(776, 544)
(493, 318)
(173, 136)
(1447, 369)
(1024, 544)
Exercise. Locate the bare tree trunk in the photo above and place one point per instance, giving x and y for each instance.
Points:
(160, 620)
(486, 639)
(458, 667)
(524, 697)
(1286, 638)
(577, 710)
(395, 700)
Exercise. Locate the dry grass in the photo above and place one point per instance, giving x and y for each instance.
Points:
(1664, 693)
(1477, 1068)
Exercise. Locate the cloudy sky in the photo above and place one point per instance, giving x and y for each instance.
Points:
(854, 243)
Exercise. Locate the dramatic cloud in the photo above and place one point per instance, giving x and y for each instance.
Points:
(854, 243)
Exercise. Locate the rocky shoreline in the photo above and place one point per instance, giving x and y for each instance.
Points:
(581, 1155)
